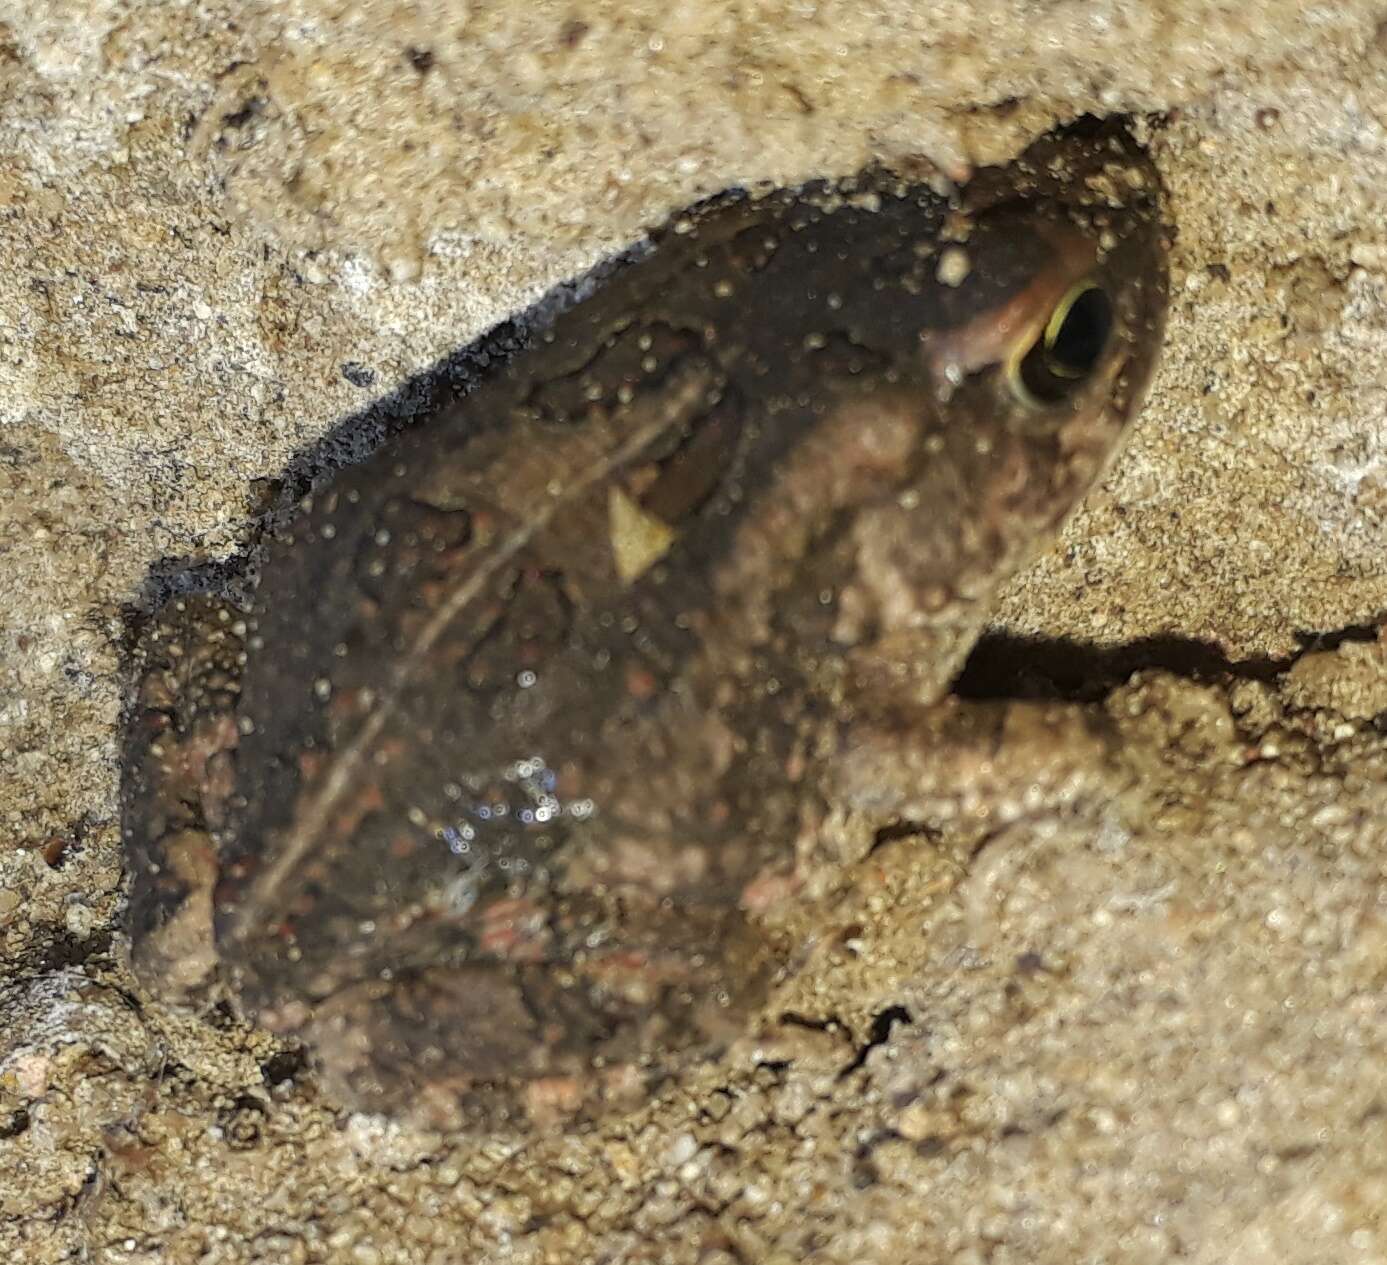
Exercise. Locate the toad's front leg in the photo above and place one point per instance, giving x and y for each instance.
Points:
(991, 763)
(987, 779)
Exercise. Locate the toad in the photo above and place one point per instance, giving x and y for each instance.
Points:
(491, 796)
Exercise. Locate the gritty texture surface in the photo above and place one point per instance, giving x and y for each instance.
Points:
(1151, 1032)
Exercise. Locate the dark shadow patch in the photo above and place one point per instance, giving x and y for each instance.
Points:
(250, 110)
(13, 1124)
(1003, 666)
(357, 374)
(56, 950)
(286, 1065)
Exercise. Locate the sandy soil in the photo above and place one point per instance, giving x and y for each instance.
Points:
(1154, 1033)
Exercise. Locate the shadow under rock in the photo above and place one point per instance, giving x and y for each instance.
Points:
(1004, 666)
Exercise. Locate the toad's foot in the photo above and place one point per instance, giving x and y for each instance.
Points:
(994, 777)
(980, 765)
(488, 1045)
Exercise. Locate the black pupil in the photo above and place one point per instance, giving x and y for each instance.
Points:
(1060, 361)
(1082, 334)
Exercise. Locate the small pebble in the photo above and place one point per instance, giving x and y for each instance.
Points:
(953, 266)
(1369, 255)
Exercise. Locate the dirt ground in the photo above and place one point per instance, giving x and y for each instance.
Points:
(1154, 1032)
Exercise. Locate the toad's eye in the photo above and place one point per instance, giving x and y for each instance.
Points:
(1068, 348)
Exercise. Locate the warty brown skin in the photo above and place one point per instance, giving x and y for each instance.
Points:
(537, 708)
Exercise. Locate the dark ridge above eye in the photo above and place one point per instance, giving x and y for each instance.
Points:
(1006, 248)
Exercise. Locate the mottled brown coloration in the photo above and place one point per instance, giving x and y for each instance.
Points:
(540, 701)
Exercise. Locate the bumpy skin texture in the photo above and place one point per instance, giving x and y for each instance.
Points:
(490, 796)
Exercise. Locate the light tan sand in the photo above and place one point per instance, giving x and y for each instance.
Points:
(1160, 1034)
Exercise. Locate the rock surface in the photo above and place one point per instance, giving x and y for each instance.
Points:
(228, 227)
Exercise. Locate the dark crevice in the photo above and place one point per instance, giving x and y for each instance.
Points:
(221, 1017)
(1097, 126)
(286, 1065)
(243, 1123)
(358, 374)
(791, 1019)
(1003, 666)
(882, 1024)
(898, 830)
(250, 109)
(60, 951)
(865, 1172)
(1332, 639)
(13, 1124)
